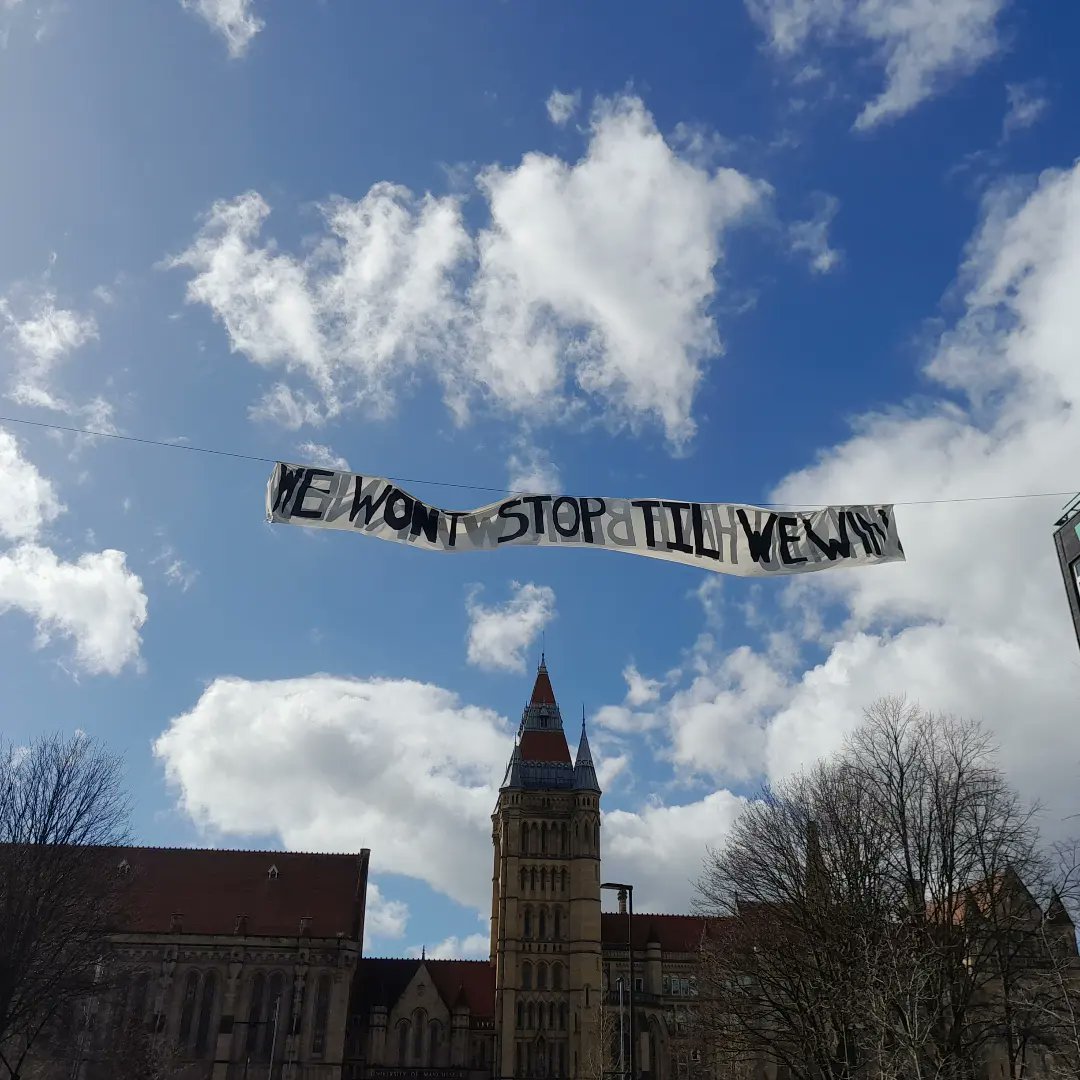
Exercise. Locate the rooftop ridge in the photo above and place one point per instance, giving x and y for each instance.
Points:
(236, 851)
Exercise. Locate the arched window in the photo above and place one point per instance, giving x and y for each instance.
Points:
(418, 1019)
(403, 1042)
(534, 879)
(531, 1012)
(556, 976)
(203, 1040)
(540, 1015)
(434, 1042)
(565, 841)
(526, 976)
(524, 879)
(187, 1013)
(543, 838)
(322, 1014)
(558, 924)
(527, 923)
(542, 928)
(586, 995)
(255, 1009)
(564, 881)
(541, 976)
(273, 1013)
(563, 1010)
(520, 1015)
(551, 1015)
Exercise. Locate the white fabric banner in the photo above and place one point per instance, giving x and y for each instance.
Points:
(725, 537)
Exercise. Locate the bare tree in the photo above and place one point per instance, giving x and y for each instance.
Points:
(886, 912)
(62, 807)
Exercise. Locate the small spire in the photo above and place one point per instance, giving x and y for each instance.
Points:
(423, 953)
(584, 772)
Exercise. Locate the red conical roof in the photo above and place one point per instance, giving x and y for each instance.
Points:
(542, 693)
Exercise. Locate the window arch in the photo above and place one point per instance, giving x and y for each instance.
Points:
(527, 923)
(557, 928)
(187, 1013)
(255, 1007)
(526, 976)
(403, 1042)
(556, 976)
(543, 838)
(542, 924)
(531, 1013)
(564, 840)
(524, 878)
(564, 880)
(204, 1041)
(275, 1003)
(551, 1015)
(534, 879)
(418, 1018)
(563, 1012)
(322, 1014)
(541, 976)
(520, 1015)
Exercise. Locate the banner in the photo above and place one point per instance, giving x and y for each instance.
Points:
(725, 537)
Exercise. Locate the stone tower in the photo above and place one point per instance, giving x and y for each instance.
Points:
(545, 900)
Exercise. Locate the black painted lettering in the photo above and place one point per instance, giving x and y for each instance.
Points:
(362, 502)
(566, 530)
(455, 516)
(786, 540)
(759, 542)
(587, 515)
(701, 549)
(287, 479)
(397, 519)
(538, 511)
(507, 513)
(858, 532)
(425, 519)
(871, 529)
(306, 485)
(679, 543)
(832, 549)
(648, 508)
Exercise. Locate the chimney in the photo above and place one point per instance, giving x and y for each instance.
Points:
(176, 922)
(622, 901)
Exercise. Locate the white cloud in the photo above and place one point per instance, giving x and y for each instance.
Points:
(178, 573)
(661, 848)
(811, 238)
(639, 689)
(563, 300)
(234, 20)
(532, 470)
(96, 601)
(28, 501)
(327, 763)
(320, 454)
(469, 947)
(499, 634)
(1026, 105)
(383, 918)
(561, 106)
(921, 45)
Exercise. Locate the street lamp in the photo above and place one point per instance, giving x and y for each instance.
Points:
(628, 890)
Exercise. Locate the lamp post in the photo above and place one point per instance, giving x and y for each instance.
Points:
(629, 891)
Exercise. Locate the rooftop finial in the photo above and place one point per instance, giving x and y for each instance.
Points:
(583, 716)
(423, 952)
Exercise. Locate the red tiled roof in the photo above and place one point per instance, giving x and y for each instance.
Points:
(476, 978)
(381, 981)
(676, 933)
(209, 888)
(547, 745)
(542, 693)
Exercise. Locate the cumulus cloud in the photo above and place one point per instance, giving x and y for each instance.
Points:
(811, 238)
(975, 622)
(561, 106)
(500, 634)
(234, 20)
(95, 601)
(561, 301)
(28, 501)
(320, 454)
(921, 46)
(327, 763)
(639, 689)
(661, 848)
(1026, 106)
(532, 470)
(383, 918)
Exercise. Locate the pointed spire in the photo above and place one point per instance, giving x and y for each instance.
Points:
(584, 773)
(512, 779)
(423, 953)
(542, 692)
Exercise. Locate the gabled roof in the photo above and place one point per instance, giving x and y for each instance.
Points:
(675, 933)
(209, 889)
(381, 981)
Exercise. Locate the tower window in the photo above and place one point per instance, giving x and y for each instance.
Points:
(541, 976)
(526, 976)
(527, 929)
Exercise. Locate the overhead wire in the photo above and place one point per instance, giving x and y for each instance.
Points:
(240, 456)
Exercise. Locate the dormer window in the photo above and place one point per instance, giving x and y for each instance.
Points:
(272, 873)
(124, 868)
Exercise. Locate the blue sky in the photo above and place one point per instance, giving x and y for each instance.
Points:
(789, 249)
